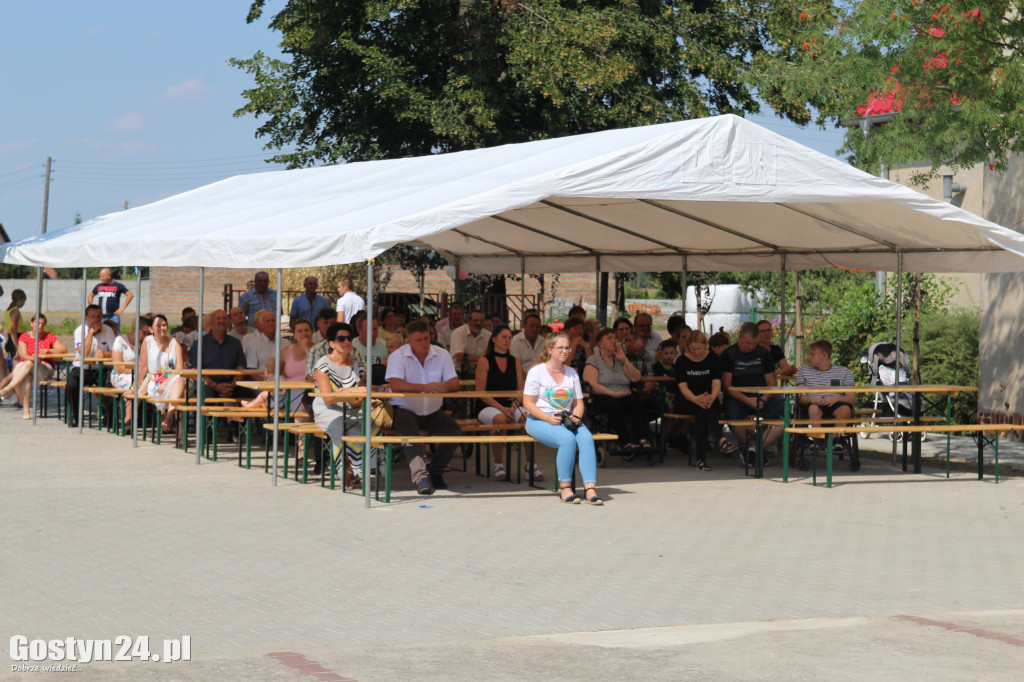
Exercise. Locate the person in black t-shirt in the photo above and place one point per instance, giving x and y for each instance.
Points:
(108, 295)
(764, 340)
(747, 365)
(699, 380)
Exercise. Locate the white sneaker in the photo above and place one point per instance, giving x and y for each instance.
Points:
(538, 475)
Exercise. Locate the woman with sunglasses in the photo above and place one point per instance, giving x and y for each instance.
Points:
(340, 372)
(553, 399)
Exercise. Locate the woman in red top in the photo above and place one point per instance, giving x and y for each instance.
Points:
(21, 378)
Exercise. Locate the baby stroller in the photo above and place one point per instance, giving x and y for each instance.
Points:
(878, 363)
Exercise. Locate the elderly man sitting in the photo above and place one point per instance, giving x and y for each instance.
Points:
(419, 367)
(259, 347)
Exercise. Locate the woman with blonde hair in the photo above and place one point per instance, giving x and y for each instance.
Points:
(700, 383)
(553, 400)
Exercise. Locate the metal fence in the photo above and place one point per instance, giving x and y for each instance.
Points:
(510, 307)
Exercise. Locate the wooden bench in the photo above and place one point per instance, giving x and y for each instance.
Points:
(388, 442)
(101, 392)
(752, 423)
(44, 394)
(830, 432)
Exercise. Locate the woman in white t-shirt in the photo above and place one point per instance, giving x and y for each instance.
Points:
(551, 388)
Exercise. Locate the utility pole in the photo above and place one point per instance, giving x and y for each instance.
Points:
(46, 193)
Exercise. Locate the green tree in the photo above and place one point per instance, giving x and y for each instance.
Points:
(843, 306)
(949, 355)
(371, 79)
(952, 70)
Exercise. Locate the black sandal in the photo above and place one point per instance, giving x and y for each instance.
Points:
(702, 465)
(572, 499)
(726, 446)
(595, 500)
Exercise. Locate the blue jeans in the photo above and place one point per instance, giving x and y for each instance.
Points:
(565, 443)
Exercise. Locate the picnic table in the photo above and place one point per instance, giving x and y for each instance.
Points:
(788, 392)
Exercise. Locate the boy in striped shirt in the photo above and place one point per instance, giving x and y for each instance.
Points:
(819, 371)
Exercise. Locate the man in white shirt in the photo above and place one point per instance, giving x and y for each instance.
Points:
(528, 344)
(259, 347)
(349, 302)
(445, 326)
(239, 324)
(419, 367)
(94, 340)
(470, 340)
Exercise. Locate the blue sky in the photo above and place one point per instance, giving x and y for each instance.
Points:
(134, 102)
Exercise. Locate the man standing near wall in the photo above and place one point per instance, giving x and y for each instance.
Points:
(309, 305)
(108, 297)
(260, 297)
(349, 302)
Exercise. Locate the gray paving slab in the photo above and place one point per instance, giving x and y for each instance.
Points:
(497, 580)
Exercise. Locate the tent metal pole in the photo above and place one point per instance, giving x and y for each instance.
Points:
(683, 276)
(799, 322)
(138, 351)
(368, 374)
(522, 290)
(276, 395)
(899, 310)
(34, 398)
(899, 333)
(200, 382)
(81, 355)
(597, 289)
(782, 308)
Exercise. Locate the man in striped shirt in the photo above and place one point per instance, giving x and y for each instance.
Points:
(819, 371)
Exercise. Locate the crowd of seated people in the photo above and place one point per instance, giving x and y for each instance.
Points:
(709, 374)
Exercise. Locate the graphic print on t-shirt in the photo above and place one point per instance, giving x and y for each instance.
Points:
(558, 397)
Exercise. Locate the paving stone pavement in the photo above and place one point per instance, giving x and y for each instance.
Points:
(681, 574)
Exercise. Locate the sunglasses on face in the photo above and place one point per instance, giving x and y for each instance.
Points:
(342, 338)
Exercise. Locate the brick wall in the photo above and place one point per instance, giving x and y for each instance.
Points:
(175, 288)
(571, 285)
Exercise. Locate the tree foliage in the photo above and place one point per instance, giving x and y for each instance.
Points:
(371, 79)
(949, 355)
(953, 70)
(844, 307)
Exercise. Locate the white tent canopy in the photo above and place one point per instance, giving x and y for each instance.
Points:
(711, 194)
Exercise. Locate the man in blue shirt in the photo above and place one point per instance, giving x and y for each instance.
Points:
(260, 297)
(220, 351)
(308, 306)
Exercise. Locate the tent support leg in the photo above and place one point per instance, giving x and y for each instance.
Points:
(683, 276)
(34, 394)
(138, 352)
(78, 351)
(276, 400)
(367, 421)
(782, 307)
(200, 381)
